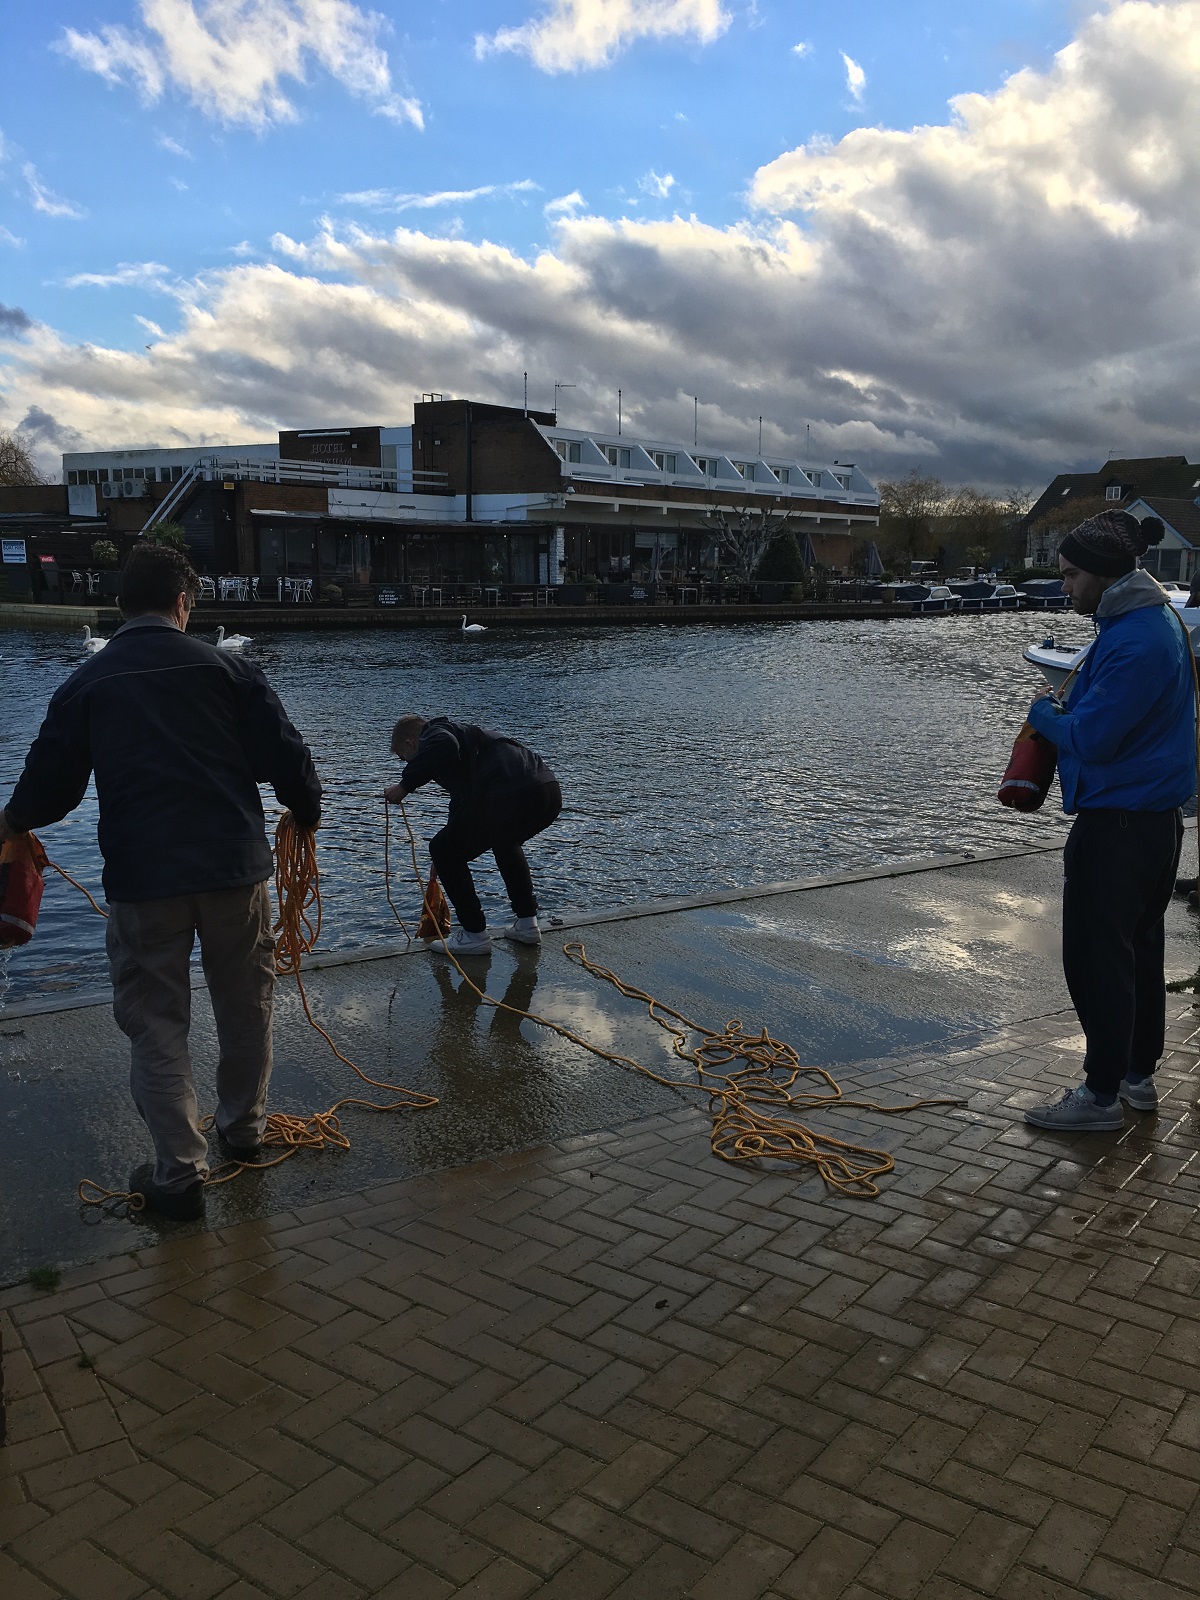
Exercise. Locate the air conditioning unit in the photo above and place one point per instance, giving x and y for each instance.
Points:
(110, 491)
(132, 489)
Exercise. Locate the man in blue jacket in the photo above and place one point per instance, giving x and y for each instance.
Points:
(1126, 743)
(179, 735)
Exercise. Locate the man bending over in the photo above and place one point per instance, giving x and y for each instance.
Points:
(501, 794)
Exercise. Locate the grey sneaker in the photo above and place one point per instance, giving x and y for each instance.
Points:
(1142, 1096)
(524, 930)
(1078, 1112)
(462, 943)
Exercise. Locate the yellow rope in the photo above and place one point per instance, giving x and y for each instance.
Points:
(297, 890)
(743, 1128)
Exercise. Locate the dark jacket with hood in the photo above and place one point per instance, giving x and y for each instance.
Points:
(179, 736)
(480, 771)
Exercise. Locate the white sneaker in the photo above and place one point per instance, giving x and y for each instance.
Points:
(524, 930)
(1078, 1112)
(462, 943)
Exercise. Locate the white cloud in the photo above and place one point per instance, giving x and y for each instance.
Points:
(150, 327)
(656, 185)
(565, 205)
(45, 200)
(399, 200)
(574, 34)
(802, 49)
(128, 274)
(230, 57)
(999, 297)
(10, 238)
(856, 78)
(173, 147)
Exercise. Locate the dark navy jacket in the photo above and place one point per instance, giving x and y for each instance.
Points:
(476, 768)
(179, 735)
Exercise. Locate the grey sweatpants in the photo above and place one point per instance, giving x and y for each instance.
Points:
(149, 946)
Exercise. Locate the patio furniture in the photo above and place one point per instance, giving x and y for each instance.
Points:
(208, 589)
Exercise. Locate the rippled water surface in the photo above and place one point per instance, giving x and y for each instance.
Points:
(690, 758)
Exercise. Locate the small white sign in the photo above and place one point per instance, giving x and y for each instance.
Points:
(14, 552)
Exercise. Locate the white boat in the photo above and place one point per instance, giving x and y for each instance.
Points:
(1056, 661)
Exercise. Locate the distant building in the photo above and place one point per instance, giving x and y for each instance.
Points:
(1124, 485)
(470, 493)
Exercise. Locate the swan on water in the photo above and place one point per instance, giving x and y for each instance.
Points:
(472, 627)
(90, 643)
(232, 641)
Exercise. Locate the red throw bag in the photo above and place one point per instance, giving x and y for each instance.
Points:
(22, 862)
(435, 918)
(1030, 771)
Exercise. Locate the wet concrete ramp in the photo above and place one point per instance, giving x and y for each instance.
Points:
(846, 971)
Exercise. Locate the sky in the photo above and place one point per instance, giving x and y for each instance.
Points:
(922, 234)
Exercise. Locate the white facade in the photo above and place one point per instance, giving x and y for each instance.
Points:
(620, 459)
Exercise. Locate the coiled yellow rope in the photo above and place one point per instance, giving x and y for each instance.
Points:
(297, 891)
(755, 1106)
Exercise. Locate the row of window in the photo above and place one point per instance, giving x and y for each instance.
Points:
(571, 450)
(147, 474)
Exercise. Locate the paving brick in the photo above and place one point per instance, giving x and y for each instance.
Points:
(612, 1535)
(1065, 1542)
(825, 1568)
(530, 1542)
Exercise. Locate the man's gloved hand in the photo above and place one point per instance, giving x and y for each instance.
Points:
(395, 794)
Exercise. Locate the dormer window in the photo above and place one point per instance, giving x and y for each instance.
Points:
(703, 464)
(662, 461)
(1113, 492)
(784, 474)
(617, 458)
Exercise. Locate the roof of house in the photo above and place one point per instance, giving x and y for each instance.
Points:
(1181, 516)
(1136, 476)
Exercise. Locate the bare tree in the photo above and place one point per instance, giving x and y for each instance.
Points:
(16, 463)
(908, 510)
(745, 534)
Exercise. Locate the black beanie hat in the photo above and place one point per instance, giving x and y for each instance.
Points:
(1109, 544)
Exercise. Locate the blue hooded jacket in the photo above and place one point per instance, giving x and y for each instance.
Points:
(1126, 738)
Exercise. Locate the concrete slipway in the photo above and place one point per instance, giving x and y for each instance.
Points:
(851, 970)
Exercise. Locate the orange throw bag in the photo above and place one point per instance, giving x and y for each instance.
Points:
(435, 918)
(1030, 771)
(22, 862)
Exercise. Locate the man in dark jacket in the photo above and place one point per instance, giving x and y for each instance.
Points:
(1127, 763)
(179, 735)
(501, 794)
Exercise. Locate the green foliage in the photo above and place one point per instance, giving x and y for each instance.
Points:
(781, 561)
(168, 533)
(45, 1277)
(333, 593)
(105, 553)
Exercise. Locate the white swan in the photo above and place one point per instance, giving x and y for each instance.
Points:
(232, 641)
(90, 643)
(472, 627)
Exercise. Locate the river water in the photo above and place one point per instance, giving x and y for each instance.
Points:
(691, 758)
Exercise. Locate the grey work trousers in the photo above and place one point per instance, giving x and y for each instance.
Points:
(149, 947)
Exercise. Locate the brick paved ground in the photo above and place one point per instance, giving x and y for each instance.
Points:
(620, 1367)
